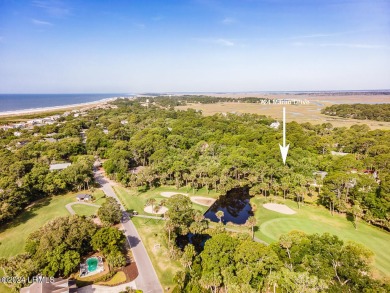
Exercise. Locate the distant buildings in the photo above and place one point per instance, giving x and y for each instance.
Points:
(338, 153)
(59, 166)
(320, 173)
(275, 125)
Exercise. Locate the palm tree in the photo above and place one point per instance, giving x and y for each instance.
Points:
(300, 193)
(264, 188)
(169, 226)
(156, 209)
(87, 180)
(220, 215)
(251, 222)
(150, 202)
(276, 188)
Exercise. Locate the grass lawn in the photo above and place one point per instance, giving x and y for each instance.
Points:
(150, 232)
(14, 234)
(84, 210)
(117, 279)
(99, 197)
(150, 229)
(312, 219)
(134, 200)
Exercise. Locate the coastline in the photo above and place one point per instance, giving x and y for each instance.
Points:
(55, 108)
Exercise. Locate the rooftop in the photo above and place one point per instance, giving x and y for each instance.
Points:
(47, 285)
(59, 166)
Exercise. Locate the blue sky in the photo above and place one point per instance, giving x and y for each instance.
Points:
(54, 46)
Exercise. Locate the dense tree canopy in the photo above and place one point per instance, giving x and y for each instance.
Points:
(296, 263)
(146, 147)
(110, 212)
(378, 112)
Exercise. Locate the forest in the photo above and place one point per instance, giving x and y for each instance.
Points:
(144, 147)
(172, 101)
(217, 152)
(377, 112)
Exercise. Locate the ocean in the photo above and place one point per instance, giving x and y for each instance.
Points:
(15, 102)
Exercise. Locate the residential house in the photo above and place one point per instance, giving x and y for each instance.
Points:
(59, 166)
(46, 285)
(83, 197)
(275, 125)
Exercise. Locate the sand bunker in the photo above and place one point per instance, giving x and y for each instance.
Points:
(280, 208)
(169, 193)
(149, 209)
(204, 201)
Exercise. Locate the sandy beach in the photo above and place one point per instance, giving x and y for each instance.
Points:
(55, 108)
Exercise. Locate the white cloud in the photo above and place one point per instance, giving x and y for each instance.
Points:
(324, 35)
(216, 41)
(228, 20)
(140, 25)
(40, 22)
(223, 42)
(55, 8)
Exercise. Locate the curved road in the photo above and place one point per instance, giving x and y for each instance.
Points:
(71, 210)
(147, 279)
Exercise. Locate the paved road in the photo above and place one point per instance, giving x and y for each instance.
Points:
(71, 210)
(147, 279)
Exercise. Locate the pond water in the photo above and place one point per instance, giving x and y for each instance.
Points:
(235, 206)
(198, 240)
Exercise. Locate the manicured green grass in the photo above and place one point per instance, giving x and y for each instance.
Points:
(151, 234)
(84, 210)
(134, 200)
(312, 219)
(14, 234)
(99, 197)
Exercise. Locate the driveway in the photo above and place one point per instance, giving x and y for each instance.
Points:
(147, 279)
(105, 289)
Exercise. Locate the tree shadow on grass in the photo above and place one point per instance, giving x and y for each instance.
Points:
(26, 215)
(351, 218)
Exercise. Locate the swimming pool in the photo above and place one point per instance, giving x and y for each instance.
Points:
(92, 264)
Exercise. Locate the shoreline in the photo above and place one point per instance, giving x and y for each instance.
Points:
(54, 108)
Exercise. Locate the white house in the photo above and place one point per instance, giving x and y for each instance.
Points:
(275, 125)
